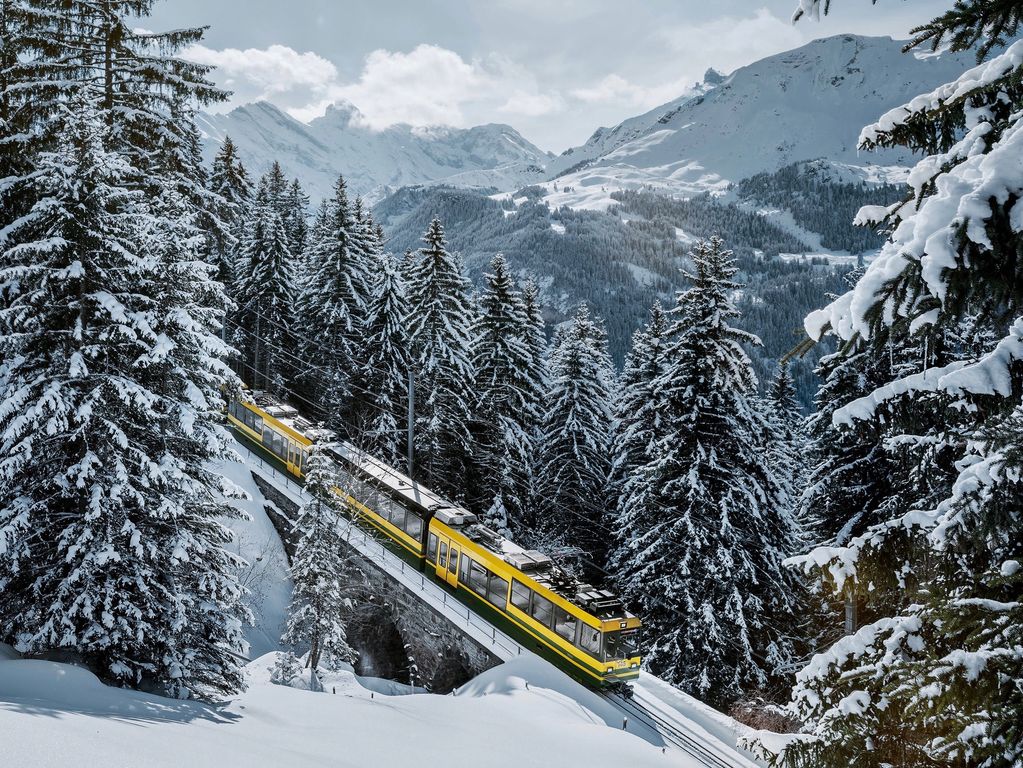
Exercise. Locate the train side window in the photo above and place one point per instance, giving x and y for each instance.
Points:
(431, 548)
(442, 561)
(464, 575)
(498, 592)
(564, 624)
(589, 640)
(478, 578)
(395, 512)
(257, 423)
(520, 595)
(268, 438)
(453, 560)
(542, 610)
(414, 526)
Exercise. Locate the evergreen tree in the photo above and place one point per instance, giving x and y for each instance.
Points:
(501, 359)
(318, 604)
(440, 317)
(639, 423)
(934, 678)
(334, 311)
(294, 218)
(576, 441)
(387, 370)
(277, 191)
(537, 382)
(229, 181)
(266, 299)
(785, 438)
(111, 538)
(704, 566)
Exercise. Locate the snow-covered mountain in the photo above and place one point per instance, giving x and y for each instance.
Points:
(374, 162)
(803, 104)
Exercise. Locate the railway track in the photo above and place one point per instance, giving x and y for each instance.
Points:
(675, 734)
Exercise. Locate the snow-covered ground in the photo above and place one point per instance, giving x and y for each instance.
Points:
(58, 715)
(54, 714)
(266, 577)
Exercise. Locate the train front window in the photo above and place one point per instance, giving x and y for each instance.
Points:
(621, 644)
(589, 640)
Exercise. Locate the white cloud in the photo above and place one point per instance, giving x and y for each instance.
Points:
(278, 73)
(428, 85)
(615, 89)
(728, 42)
(531, 103)
(724, 43)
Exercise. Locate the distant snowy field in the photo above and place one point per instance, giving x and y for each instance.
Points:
(57, 715)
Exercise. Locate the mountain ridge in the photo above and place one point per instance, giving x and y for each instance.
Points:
(374, 162)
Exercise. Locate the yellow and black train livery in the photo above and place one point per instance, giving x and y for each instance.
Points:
(584, 631)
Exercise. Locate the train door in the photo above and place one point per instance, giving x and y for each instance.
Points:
(447, 561)
(451, 576)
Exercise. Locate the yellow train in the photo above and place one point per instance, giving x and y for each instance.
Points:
(585, 631)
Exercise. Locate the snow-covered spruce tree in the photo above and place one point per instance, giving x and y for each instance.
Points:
(936, 679)
(318, 605)
(704, 565)
(229, 181)
(575, 452)
(387, 370)
(538, 382)
(143, 84)
(334, 310)
(504, 413)
(111, 540)
(440, 317)
(786, 437)
(277, 191)
(295, 219)
(366, 248)
(639, 422)
(266, 301)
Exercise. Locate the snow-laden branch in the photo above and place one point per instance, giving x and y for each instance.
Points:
(971, 80)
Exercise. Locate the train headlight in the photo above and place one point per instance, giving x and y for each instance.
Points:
(610, 669)
(634, 665)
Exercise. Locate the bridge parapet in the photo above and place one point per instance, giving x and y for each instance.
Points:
(398, 627)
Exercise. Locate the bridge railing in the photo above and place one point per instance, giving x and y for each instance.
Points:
(412, 579)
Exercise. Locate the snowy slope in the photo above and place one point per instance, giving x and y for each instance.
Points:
(374, 162)
(803, 104)
(57, 715)
(266, 578)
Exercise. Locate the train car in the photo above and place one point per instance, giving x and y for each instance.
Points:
(585, 631)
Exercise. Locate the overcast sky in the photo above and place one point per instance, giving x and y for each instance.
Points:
(553, 69)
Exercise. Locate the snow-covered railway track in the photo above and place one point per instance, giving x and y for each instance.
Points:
(675, 733)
